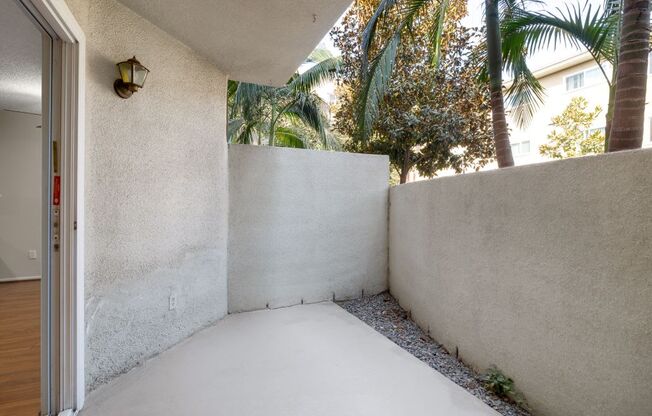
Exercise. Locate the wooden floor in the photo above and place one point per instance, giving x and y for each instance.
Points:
(20, 348)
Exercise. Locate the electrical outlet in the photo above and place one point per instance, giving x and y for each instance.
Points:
(32, 254)
(173, 302)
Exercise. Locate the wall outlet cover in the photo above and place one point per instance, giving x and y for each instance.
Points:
(32, 254)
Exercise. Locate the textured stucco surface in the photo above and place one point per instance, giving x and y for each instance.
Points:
(307, 360)
(156, 192)
(20, 67)
(544, 271)
(305, 225)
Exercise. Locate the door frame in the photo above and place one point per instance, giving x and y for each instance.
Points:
(62, 306)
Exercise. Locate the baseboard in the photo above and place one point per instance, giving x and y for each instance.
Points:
(18, 279)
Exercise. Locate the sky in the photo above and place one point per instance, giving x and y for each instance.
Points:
(476, 17)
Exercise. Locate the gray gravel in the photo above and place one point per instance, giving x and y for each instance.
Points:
(384, 314)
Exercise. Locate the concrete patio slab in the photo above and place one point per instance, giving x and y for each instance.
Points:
(304, 360)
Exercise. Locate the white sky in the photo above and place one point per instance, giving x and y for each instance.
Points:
(476, 17)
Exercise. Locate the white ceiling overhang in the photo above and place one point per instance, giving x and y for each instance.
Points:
(260, 41)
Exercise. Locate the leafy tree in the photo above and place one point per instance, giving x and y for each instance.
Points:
(289, 116)
(430, 118)
(572, 136)
(401, 17)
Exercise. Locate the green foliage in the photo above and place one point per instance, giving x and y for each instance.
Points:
(428, 118)
(503, 386)
(583, 26)
(288, 116)
(572, 135)
(394, 22)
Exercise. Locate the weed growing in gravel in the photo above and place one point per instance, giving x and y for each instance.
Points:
(494, 380)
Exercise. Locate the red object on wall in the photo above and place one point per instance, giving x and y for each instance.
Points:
(56, 191)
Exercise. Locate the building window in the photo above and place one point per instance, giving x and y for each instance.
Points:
(574, 82)
(592, 76)
(521, 148)
(585, 78)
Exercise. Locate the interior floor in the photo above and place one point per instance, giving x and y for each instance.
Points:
(303, 360)
(20, 348)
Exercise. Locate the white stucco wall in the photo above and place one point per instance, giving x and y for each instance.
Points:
(156, 184)
(305, 226)
(544, 271)
(21, 169)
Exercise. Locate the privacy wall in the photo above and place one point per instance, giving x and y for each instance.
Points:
(305, 226)
(156, 192)
(544, 271)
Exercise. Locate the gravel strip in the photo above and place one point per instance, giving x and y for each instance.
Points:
(383, 313)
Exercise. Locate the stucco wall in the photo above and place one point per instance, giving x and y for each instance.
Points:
(156, 184)
(544, 271)
(305, 226)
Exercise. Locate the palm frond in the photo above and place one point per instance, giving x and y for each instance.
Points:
(369, 33)
(245, 134)
(286, 137)
(525, 32)
(580, 26)
(233, 128)
(250, 94)
(308, 110)
(525, 94)
(319, 54)
(375, 84)
(324, 71)
(437, 30)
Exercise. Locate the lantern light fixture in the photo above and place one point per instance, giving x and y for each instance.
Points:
(132, 77)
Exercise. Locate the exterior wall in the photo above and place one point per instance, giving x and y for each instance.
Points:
(305, 226)
(543, 271)
(21, 168)
(157, 194)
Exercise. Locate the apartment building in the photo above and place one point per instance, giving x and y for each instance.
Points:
(577, 76)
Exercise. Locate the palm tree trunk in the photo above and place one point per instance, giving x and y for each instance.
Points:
(495, 58)
(610, 114)
(271, 132)
(629, 108)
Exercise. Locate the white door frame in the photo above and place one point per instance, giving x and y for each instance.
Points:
(62, 370)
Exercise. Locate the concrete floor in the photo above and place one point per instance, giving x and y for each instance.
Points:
(305, 360)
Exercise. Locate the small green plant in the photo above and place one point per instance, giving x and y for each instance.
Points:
(503, 386)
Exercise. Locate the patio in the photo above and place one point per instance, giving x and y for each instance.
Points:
(196, 275)
(302, 360)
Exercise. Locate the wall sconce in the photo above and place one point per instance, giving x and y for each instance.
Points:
(132, 77)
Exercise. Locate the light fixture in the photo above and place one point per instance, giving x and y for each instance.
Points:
(132, 77)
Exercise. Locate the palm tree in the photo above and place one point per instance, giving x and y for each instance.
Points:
(377, 71)
(617, 37)
(594, 29)
(631, 84)
(495, 67)
(283, 116)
